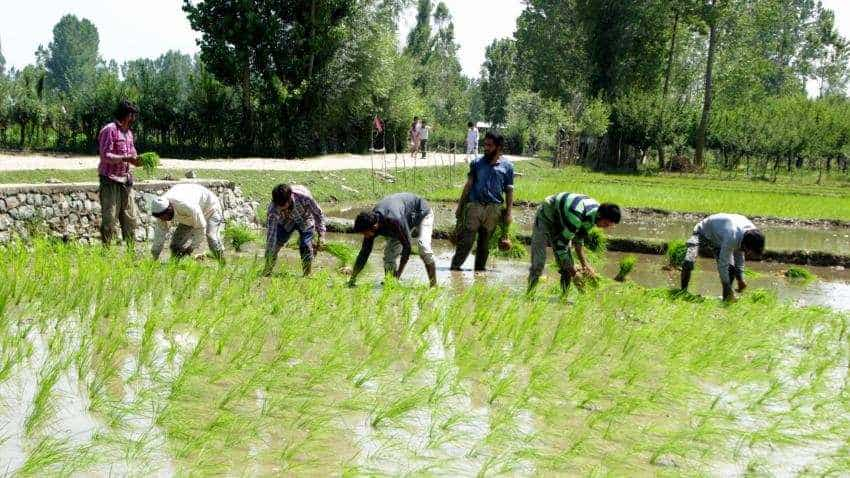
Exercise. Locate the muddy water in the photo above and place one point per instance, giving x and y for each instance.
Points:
(660, 227)
(831, 289)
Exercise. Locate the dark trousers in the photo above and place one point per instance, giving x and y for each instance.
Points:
(305, 245)
(117, 206)
(424, 147)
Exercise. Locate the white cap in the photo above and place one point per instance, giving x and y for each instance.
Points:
(159, 204)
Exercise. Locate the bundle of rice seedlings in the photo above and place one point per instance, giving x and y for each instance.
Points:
(627, 264)
(799, 273)
(237, 235)
(343, 252)
(676, 251)
(149, 162)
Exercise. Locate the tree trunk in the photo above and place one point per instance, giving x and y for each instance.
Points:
(706, 108)
(666, 90)
(247, 113)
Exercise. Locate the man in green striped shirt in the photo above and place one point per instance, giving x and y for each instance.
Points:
(563, 219)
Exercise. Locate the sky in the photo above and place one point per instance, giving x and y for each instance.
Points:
(148, 28)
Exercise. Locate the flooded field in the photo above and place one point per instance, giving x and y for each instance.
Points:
(117, 365)
(780, 236)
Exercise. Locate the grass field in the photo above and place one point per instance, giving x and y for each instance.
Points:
(790, 196)
(111, 364)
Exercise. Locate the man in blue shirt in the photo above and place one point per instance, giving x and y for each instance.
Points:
(487, 197)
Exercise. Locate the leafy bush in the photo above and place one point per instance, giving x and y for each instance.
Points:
(237, 235)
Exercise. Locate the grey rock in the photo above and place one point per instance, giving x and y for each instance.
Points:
(665, 461)
(191, 174)
(54, 181)
(5, 236)
(23, 213)
(12, 202)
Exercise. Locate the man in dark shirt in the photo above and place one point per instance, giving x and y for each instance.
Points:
(398, 217)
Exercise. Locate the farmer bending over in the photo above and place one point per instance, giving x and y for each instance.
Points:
(487, 198)
(563, 219)
(730, 237)
(294, 209)
(197, 212)
(398, 217)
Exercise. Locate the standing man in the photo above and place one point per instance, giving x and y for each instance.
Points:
(117, 153)
(424, 133)
(294, 209)
(400, 218)
(487, 198)
(471, 141)
(197, 212)
(730, 237)
(563, 219)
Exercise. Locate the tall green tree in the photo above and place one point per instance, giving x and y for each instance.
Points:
(419, 38)
(73, 54)
(497, 74)
(2, 61)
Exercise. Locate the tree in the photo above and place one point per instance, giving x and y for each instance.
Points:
(282, 43)
(712, 15)
(73, 54)
(419, 38)
(496, 79)
(2, 61)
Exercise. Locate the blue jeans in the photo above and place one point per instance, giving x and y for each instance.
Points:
(305, 245)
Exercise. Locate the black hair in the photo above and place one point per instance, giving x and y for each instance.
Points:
(753, 240)
(124, 109)
(281, 195)
(470, 124)
(496, 138)
(610, 212)
(365, 220)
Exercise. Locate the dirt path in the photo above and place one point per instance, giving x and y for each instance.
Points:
(27, 162)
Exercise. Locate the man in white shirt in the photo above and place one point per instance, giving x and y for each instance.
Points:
(424, 132)
(197, 212)
(471, 142)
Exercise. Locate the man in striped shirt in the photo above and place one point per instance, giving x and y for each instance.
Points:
(293, 209)
(563, 219)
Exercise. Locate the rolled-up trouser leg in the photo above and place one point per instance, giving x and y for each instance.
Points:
(110, 201)
(423, 239)
(127, 214)
(489, 219)
(181, 241)
(539, 242)
(467, 235)
(305, 247)
(392, 251)
(214, 224)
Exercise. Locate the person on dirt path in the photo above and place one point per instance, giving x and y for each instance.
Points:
(294, 209)
(424, 133)
(731, 237)
(471, 141)
(197, 212)
(415, 136)
(561, 220)
(400, 218)
(487, 198)
(117, 153)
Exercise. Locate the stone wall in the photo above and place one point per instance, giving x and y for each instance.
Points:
(72, 210)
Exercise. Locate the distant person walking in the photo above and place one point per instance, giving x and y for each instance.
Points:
(415, 136)
(117, 153)
(487, 198)
(400, 218)
(293, 209)
(471, 142)
(564, 219)
(197, 212)
(424, 133)
(730, 237)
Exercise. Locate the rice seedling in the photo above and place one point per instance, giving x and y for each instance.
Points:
(149, 162)
(516, 250)
(344, 253)
(238, 235)
(799, 273)
(676, 251)
(627, 264)
(596, 241)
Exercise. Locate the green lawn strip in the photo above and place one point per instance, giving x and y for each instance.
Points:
(790, 197)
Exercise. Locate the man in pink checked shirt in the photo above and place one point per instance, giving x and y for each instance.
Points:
(117, 153)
